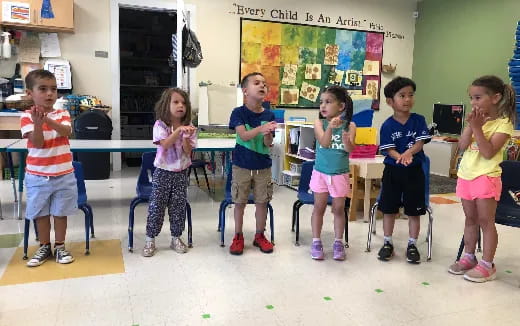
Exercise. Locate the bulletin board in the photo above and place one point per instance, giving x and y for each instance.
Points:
(298, 61)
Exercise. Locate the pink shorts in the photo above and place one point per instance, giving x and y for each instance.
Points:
(481, 187)
(336, 185)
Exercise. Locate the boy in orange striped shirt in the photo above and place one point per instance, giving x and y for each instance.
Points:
(49, 178)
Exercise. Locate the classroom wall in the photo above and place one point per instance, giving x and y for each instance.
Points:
(458, 41)
(218, 28)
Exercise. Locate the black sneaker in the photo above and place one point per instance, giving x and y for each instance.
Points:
(62, 255)
(386, 252)
(412, 254)
(40, 256)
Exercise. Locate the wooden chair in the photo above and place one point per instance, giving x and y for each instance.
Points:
(357, 191)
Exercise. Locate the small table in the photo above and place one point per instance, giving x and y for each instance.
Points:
(225, 145)
(10, 120)
(369, 169)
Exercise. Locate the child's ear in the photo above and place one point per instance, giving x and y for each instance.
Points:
(496, 98)
(389, 101)
(28, 92)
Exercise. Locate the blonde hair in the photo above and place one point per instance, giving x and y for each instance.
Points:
(162, 107)
(495, 85)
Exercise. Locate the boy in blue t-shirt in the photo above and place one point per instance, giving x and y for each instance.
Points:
(254, 127)
(402, 138)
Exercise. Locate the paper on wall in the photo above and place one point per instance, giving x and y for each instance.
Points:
(29, 50)
(289, 96)
(61, 70)
(16, 12)
(50, 45)
(313, 71)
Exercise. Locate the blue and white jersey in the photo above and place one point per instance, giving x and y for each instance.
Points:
(401, 137)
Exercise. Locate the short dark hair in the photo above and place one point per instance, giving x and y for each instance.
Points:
(32, 78)
(244, 81)
(397, 84)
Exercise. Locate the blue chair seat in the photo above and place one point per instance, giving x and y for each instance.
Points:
(306, 198)
(144, 191)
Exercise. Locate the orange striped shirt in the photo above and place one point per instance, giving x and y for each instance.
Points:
(54, 157)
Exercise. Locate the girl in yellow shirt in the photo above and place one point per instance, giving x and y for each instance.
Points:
(489, 127)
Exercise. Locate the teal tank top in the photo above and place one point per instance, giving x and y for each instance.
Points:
(332, 160)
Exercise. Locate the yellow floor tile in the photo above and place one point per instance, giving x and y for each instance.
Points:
(105, 258)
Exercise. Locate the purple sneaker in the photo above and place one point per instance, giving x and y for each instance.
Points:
(339, 251)
(317, 250)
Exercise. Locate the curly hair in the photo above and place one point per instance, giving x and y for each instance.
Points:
(162, 107)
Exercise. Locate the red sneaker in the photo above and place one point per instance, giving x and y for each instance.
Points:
(262, 243)
(237, 247)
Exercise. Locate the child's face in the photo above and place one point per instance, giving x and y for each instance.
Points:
(44, 93)
(177, 106)
(256, 88)
(481, 99)
(330, 107)
(403, 100)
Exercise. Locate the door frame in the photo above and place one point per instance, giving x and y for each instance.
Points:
(178, 6)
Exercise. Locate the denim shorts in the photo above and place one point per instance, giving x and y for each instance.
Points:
(56, 196)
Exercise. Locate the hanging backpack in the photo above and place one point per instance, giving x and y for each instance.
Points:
(191, 51)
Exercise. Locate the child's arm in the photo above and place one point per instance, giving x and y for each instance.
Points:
(268, 139)
(349, 137)
(324, 137)
(247, 135)
(174, 136)
(63, 130)
(465, 138)
(487, 147)
(407, 157)
(393, 154)
(186, 146)
(36, 135)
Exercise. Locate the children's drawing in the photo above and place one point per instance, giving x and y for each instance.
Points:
(313, 71)
(309, 92)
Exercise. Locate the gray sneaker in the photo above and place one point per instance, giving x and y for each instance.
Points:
(40, 256)
(149, 249)
(62, 255)
(178, 246)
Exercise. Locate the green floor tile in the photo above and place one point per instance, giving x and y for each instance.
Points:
(10, 240)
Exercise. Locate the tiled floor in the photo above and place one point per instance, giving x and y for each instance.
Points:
(208, 286)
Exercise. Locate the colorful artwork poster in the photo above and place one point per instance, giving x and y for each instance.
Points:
(298, 61)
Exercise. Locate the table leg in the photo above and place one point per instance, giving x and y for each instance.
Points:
(21, 176)
(366, 200)
(11, 170)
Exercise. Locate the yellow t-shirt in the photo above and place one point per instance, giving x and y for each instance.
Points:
(474, 165)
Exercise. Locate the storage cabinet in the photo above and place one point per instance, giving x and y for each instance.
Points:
(39, 14)
(299, 143)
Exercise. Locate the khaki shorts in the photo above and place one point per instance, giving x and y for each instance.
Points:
(244, 179)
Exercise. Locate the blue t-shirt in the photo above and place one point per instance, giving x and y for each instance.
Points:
(402, 137)
(332, 160)
(252, 154)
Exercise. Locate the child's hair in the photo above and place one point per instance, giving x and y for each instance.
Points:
(162, 107)
(341, 94)
(32, 78)
(396, 84)
(495, 85)
(245, 80)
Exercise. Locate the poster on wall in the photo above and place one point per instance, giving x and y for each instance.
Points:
(298, 61)
(16, 12)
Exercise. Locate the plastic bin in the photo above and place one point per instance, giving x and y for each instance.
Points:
(96, 125)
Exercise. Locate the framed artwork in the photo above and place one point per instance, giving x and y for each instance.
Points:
(298, 61)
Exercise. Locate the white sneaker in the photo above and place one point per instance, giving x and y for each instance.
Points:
(40, 256)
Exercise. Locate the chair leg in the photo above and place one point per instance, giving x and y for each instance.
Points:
(190, 230)
(430, 232)
(87, 228)
(196, 177)
(297, 241)
(461, 248)
(136, 201)
(271, 221)
(91, 215)
(219, 227)
(26, 238)
(296, 203)
(222, 218)
(206, 177)
(371, 225)
(346, 227)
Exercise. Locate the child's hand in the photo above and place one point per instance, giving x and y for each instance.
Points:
(268, 127)
(345, 136)
(335, 122)
(405, 159)
(478, 118)
(38, 115)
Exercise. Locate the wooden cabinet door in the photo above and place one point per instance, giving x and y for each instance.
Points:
(54, 13)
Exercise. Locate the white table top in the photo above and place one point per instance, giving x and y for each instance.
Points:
(373, 160)
(113, 145)
(4, 143)
(11, 114)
